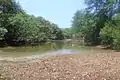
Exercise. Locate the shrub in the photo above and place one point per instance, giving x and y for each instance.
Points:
(2, 33)
(106, 35)
(116, 40)
(110, 36)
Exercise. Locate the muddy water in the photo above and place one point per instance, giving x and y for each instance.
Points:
(52, 48)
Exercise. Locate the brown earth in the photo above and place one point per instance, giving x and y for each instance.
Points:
(68, 67)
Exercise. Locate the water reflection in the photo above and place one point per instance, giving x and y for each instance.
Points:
(44, 47)
(58, 47)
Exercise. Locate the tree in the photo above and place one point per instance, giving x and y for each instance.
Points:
(84, 26)
(67, 32)
(104, 10)
(7, 9)
(22, 27)
(89, 22)
(3, 31)
(27, 28)
(110, 34)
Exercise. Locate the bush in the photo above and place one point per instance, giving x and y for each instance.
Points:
(2, 33)
(88, 34)
(24, 28)
(110, 36)
(27, 28)
(106, 35)
(116, 40)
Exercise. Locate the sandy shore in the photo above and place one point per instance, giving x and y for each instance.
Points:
(67, 67)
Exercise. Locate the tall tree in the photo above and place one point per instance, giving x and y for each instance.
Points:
(104, 10)
(7, 9)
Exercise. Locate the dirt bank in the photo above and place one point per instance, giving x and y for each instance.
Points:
(68, 67)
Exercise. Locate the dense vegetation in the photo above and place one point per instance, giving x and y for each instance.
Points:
(67, 32)
(99, 23)
(18, 27)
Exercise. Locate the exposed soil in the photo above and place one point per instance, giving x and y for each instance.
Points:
(68, 67)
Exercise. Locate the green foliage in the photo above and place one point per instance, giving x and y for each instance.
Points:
(106, 34)
(110, 36)
(84, 26)
(98, 22)
(116, 40)
(2, 33)
(7, 9)
(23, 27)
(116, 33)
(59, 34)
(67, 33)
(88, 34)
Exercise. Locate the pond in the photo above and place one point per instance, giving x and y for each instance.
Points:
(52, 48)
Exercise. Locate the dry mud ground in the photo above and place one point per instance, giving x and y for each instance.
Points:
(67, 67)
